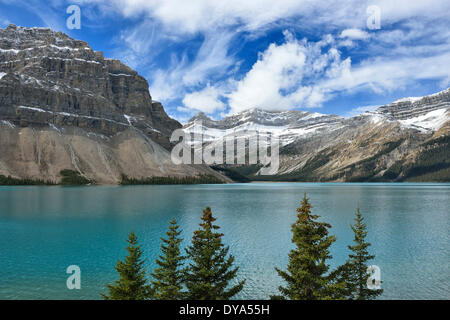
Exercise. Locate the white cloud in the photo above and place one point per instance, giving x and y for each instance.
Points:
(354, 34)
(360, 110)
(165, 84)
(203, 15)
(387, 73)
(286, 76)
(212, 57)
(212, 60)
(181, 16)
(300, 74)
(206, 100)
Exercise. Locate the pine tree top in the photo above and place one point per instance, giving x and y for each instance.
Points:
(167, 278)
(355, 270)
(132, 284)
(207, 225)
(211, 268)
(306, 275)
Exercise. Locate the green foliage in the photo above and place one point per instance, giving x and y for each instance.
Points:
(394, 171)
(431, 164)
(437, 175)
(70, 177)
(306, 276)
(10, 181)
(306, 173)
(199, 179)
(434, 158)
(365, 170)
(248, 170)
(315, 163)
(168, 278)
(354, 271)
(210, 271)
(132, 284)
(231, 173)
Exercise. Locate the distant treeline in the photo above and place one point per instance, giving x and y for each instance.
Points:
(69, 177)
(10, 181)
(199, 179)
(231, 173)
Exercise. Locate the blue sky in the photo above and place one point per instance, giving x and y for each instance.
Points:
(222, 57)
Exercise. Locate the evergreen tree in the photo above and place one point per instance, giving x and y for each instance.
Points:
(210, 271)
(354, 271)
(306, 274)
(168, 279)
(132, 284)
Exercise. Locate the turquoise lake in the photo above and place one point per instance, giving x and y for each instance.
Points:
(43, 230)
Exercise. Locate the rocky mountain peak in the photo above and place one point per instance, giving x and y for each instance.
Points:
(201, 116)
(413, 107)
(20, 38)
(263, 117)
(66, 106)
(48, 77)
(425, 114)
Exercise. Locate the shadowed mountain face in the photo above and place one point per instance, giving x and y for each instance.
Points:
(407, 140)
(65, 106)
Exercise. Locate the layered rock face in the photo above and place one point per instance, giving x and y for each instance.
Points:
(65, 106)
(47, 77)
(407, 140)
(287, 126)
(414, 107)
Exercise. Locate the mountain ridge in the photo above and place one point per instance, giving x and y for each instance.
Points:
(388, 144)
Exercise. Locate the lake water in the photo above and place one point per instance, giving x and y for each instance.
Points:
(43, 230)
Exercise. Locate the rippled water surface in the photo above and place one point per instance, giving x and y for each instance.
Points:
(45, 229)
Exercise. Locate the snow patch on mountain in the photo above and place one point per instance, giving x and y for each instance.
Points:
(425, 114)
(408, 99)
(431, 121)
(285, 125)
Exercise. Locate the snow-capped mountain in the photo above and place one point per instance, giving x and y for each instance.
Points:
(317, 146)
(287, 125)
(425, 114)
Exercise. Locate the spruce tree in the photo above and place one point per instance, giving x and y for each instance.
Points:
(306, 275)
(168, 278)
(354, 272)
(132, 284)
(210, 271)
